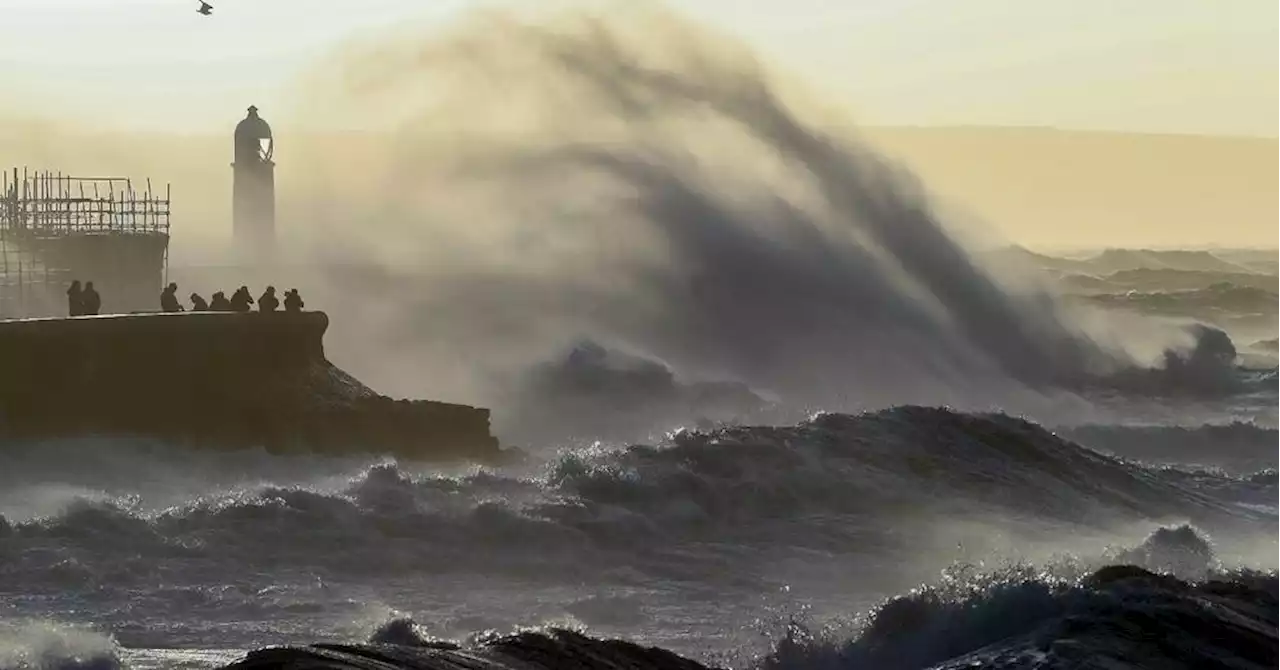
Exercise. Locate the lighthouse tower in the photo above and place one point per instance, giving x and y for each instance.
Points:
(253, 190)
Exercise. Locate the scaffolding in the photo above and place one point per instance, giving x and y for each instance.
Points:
(56, 228)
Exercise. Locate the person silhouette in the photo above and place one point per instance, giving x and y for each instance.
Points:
(198, 303)
(241, 300)
(293, 301)
(90, 301)
(220, 302)
(268, 302)
(169, 299)
(75, 299)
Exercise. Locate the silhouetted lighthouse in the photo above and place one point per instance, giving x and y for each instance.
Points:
(253, 191)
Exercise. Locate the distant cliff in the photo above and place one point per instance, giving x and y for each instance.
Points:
(215, 379)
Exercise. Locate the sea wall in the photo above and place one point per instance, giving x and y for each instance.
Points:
(217, 379)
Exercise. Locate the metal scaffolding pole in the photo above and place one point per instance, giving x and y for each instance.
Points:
(55, 227)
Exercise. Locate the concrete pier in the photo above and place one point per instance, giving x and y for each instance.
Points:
(219, 380)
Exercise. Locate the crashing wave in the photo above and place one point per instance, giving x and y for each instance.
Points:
(764, 486)
(672, 199)
(609, 394)
(404, 631)
(1119, 617)
(1179, 551)
(1206, 368)
(34, 645)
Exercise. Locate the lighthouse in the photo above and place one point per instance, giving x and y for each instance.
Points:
(253, 190)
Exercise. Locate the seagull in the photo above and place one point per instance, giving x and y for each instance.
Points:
(205, 8)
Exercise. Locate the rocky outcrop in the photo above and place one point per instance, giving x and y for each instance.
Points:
(555, 649)
(215, 379)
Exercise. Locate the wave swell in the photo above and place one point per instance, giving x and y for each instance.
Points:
(818, 485)
(700, 524)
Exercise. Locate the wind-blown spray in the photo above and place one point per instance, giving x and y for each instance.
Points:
(666, 198)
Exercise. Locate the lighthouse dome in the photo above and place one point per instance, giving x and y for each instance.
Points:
(249, 135)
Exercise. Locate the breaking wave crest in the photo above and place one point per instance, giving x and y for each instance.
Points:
(37, 645)
(1113, 617)
(1061, 615)
(590, 510)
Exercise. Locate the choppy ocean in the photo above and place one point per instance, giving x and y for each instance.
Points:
(903, 538)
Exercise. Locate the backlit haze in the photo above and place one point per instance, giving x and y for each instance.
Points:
(957, 75)
(406, 132)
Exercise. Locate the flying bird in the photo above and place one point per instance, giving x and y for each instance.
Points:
(205, 8)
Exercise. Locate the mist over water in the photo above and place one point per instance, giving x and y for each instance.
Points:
(641, 184)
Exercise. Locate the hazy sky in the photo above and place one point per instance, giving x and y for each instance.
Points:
(1182, 66)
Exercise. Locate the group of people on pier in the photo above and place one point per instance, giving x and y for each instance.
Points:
(240, 301)
(83, 300)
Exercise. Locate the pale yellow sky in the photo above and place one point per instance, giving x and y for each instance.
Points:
(1171, 66)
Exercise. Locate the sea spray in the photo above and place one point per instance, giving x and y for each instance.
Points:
(42, 645)
(671, 199)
